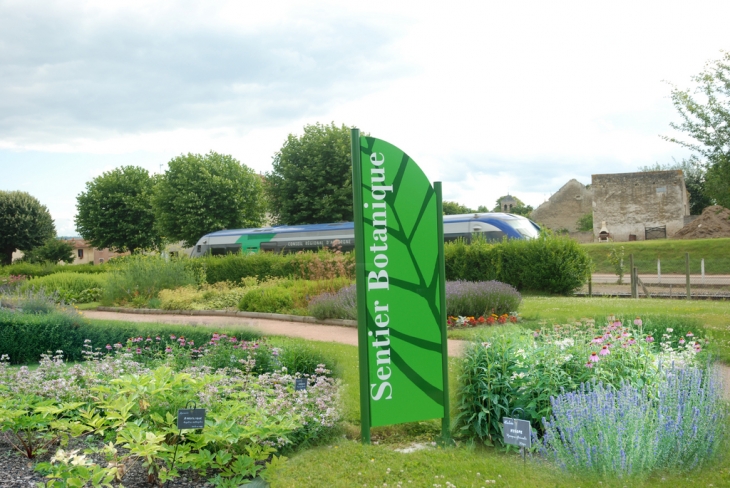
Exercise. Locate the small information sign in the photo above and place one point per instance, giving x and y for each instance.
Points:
(191, 418)
(300, 384)
(517, 432)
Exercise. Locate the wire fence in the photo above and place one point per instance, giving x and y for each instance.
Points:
(694, 278)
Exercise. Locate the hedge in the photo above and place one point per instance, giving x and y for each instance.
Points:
(24, 337)
(551, 264)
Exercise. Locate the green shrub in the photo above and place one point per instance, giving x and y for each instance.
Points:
(25, 336)
(278, 295)
(319, 265)
(549, 263)
(33, 270)
(138, 279)
(303, 358)
(515, 368)
(64, 282)
(267, 299)
(220, 296)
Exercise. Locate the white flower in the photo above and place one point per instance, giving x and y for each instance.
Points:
(669, 329)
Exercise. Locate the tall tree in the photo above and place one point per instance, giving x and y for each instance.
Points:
(199, 194)
(115, 211)
(694, 180)
(705, 118)
(311, 180)
(455, 208)
(24, 224)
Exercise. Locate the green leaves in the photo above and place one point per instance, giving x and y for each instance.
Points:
(311, 180)
(199, 194)
(24, 224)
(115, 211)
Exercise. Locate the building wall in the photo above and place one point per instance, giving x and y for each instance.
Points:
(631, 202)
(565, 207)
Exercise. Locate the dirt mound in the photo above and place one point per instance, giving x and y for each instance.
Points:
(714, 222)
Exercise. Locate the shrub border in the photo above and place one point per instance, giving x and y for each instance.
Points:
(229, 313)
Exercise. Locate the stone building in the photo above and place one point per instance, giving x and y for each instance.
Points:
(638, 206)
(565, 207)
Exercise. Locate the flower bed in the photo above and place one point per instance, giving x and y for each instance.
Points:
(545, 374)
(127, 396)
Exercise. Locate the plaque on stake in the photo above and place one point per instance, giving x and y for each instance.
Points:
(191, 418)
(300, 384)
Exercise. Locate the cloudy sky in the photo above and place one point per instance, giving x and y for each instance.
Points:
(488, 97)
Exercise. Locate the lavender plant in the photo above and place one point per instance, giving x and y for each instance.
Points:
(340, 305)
(632, 431)
(469, 298)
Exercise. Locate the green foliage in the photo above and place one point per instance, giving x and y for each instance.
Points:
(270, 299)
(548, 264)
(52, 251)
(516, 368)
(616, 258)
(24, 224)
(323, 264)
(199, 194)
(31, 270)
(140, 278)
(704, 118)
(25, 336)
(455, 208)
(115, 211)
(220, 296)
(585, 223)
(66, 284)
(284, 296)
(311, 180)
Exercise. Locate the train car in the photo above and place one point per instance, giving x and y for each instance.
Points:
(288, 238)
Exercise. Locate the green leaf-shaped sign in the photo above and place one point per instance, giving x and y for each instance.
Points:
(399, 279)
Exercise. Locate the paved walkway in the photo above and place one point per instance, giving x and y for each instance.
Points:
(313, 332)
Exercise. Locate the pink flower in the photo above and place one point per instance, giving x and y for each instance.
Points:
(690, 334)
(594, 358)
(118, 345)
(597, 340)
(233, 339)
(168, 349)
(172, 337)
(139, 351)
(589, 364)
(158, 338)
(604, 351)
(149, 339)
(681, 341)
(632, 341)
(638, 322)
(108, 347)
(649, 339)
(191, 343)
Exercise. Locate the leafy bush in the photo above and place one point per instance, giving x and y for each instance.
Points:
(464, 298)
(549, 263)
(339, 305)
(521, 369)
(219, 296)
(138, 279)
(278, 295)
(44, 269)
(25, 336)
(270, 299)
(69, 286)
(631, 431)
(324, 264)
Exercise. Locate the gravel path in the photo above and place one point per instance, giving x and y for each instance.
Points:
(312, 332)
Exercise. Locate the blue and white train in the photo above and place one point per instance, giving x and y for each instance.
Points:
(288, 238)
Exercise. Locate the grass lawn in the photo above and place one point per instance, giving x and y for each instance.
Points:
(716, 253)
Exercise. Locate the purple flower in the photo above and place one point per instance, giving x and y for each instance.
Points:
(139, 351)
(649, 339)
(594, 358)
(638, 322)
(109, 347)
(604, 351)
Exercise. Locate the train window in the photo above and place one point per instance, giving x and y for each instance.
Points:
(218, 251)
(199, 248)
